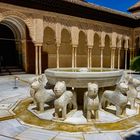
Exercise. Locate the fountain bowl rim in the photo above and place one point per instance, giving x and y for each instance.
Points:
(59, 72)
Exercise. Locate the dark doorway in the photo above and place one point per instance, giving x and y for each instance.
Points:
(137, 42)
(8, 49)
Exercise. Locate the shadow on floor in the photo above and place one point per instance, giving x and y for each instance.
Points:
(134, 136)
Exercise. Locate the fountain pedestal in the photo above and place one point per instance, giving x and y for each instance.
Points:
(79, 78)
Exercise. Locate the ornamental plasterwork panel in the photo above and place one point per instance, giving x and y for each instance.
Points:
(19, 15)
(97, 28)
(1, 17)
(2, 10)
(28, 20)
(85, 25)
(122, 31)
(66, 27)
(137, 32)
(49, 25)
(49, 19)
(107, 29)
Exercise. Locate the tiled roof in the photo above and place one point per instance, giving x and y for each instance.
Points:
(134, 7)
(101, 8)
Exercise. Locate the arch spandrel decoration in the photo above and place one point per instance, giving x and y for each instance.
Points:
(1, 17)
(137, 33)
(28, 21)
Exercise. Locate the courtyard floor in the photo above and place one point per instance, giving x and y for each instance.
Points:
(12, 126)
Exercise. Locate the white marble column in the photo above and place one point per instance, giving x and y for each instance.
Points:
(90, 58)
(74, 56)
(36, 60)
(119, 55)
(57, 55)
(102, 49)
(40, 59)
(73, 50)
(113, 57)
(126, 50)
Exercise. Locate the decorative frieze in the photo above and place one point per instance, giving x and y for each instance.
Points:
(85, 25)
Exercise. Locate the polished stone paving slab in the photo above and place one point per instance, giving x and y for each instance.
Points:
(11, 128)
(103, 136)
(35, 134)
(4, 113)
(6, 138)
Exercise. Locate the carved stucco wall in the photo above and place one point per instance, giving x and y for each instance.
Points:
(38, 21)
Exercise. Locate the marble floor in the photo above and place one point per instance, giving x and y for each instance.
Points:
(13, 128)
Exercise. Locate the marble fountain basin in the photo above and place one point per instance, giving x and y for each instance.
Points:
(80, 77)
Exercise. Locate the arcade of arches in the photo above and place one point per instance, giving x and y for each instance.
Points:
(36, 44)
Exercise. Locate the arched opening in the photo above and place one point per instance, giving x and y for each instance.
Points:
(82, 50)
(65, 49)
(137, 47)
(8, 50)
(49, 49)
(107, 52)
(96, 51)
(17, 49)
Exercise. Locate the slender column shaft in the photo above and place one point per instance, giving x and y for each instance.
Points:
(40, 59)
(36, 60)
(111, 65)
(75, 57)
(102, 58)
(88, 58)
(119, 51)
(90, 64)
(73, 50)
(126, 58)
(113, 58)
(57, 56)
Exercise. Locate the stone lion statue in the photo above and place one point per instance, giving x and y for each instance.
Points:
(32, 90)
(132, 93)
(127, 78)
(64, 99)
(59, 88)
(40, 94)
(91, 101)
(117, 97)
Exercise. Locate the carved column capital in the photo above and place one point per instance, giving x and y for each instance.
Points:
(102, 47)
(119, 48)
(74, 45)
(131, 49)
(90, 46)
(113, 48)
(58, 44)
(126, 49)
(38, 44)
